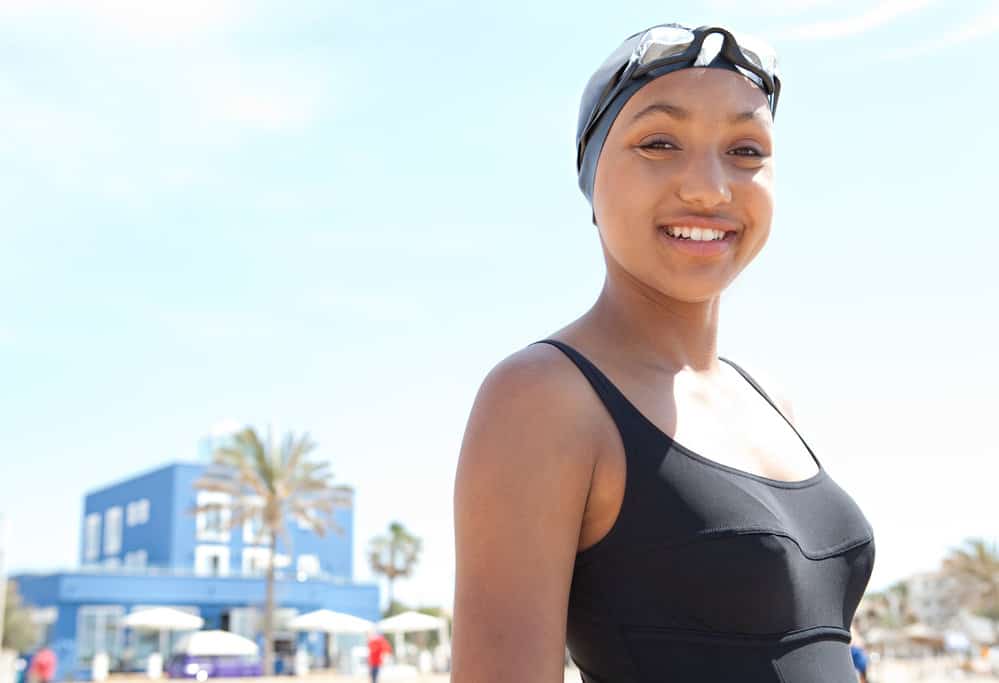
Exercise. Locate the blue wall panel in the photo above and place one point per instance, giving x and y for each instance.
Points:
(156, 487)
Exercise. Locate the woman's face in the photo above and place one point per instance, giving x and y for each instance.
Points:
(691, 148)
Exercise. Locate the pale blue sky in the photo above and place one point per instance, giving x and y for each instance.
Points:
(336, 217)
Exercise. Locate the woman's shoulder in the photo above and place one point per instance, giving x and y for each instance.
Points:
(539, 367)
(535, 394)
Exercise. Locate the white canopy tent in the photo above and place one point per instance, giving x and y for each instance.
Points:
(409, 622)
(217, 643)
(331, 623)
(162, 619)
(328, 621)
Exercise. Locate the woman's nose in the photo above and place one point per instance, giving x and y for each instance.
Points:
(704, 182)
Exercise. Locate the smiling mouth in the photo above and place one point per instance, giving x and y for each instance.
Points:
(696, 233)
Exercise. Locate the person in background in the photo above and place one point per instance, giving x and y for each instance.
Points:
(378, 647)
(21, 669)
(43, 665)
(858, 654)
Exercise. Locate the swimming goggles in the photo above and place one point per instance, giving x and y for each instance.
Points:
(673, 45)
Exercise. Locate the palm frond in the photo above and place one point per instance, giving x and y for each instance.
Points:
(395, 555)
(249, 443)
(975, 570)
(298, 450)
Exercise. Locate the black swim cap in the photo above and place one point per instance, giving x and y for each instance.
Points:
(604, 79)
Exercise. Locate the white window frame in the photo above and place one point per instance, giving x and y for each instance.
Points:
(244, 621)
(224, 501)
(263, 538)
(112, 530)
(202, 553)
(255, 557)
(249, 538)
(102, 614)
(136, 559)
(92, 537)
(308, 566)
(137, 512)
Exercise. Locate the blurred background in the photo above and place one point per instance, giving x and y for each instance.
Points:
(334, 218)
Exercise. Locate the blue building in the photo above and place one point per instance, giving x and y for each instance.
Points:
(142, 545)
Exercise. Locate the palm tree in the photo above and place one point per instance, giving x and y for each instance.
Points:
(268, 484)
(20, 633)
(394, 556)
(890, 608)
(976, 569)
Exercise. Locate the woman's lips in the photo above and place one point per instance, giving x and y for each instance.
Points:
(699, 247)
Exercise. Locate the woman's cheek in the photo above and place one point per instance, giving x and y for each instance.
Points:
(761, 190)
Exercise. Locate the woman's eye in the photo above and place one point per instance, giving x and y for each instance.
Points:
(658, 145)
(752, 152)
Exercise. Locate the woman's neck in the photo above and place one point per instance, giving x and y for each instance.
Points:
(671, 334)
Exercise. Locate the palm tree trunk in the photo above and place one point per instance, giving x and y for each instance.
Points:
(391, 575)
(269, 612)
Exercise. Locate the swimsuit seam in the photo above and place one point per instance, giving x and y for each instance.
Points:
(826, 553)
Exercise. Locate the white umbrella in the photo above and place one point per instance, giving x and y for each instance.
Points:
(410, 621)
(330, 622)
(163, 619)
(218, 643)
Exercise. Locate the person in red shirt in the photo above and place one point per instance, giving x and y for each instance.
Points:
(378, 647)
(43, 666)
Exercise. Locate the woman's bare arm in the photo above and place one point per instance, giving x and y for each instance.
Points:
(520, 492)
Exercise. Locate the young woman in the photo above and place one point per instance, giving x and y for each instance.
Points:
(621, 488)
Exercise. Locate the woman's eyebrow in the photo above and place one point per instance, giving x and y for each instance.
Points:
(682, 114)
(662, 108)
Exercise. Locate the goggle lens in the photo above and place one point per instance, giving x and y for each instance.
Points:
(662, 42)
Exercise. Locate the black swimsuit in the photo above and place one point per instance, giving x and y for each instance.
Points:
(715, 575)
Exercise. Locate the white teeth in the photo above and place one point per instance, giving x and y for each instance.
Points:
(693, 233)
